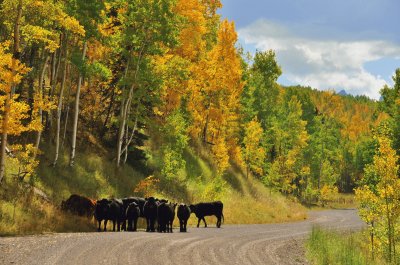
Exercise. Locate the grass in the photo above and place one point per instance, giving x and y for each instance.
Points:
(334, 248)
(338, 201)
(34, 216)
(342, 201)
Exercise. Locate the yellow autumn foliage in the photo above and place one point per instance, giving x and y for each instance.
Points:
(254, 153)
(379, 206)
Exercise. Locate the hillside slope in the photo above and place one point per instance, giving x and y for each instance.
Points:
(246, 200)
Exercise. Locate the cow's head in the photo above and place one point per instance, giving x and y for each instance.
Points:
(192, 208)
(163, 201)
(151, 199)
(181, 207)
(101, 208)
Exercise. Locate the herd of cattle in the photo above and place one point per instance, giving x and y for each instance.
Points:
(124, 213)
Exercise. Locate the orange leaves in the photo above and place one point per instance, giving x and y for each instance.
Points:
(215, 92)
(356, 117)
(175, 71)
(208, 75)
(11, 70)
(211, 6)
(192, 43)
(17, 114)
(11, 73)
(147, 186)
(217, 83)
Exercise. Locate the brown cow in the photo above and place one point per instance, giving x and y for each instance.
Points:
(79, 205)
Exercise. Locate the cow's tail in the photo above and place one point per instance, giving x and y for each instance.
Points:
(223, 218)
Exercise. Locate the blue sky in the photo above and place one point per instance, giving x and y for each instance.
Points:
(337, 44)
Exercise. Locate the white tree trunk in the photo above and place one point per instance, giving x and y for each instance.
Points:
(40, 92)
(76, 113)
(59, 107)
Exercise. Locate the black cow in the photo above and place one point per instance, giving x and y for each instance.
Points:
(79, 205)
(132, 215)
(126, 201)
(117, 213)
(139, 201)
(101, 212)
(183, 216)
(109, 210)
(165, 216)
(150, 213)
(207, 209)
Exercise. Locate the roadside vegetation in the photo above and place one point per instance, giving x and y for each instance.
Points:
(337, 248)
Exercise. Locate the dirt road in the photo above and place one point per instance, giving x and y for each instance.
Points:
(232, 244)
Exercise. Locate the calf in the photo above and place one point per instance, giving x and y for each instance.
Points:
(79, 205)
(132, 215)
(126, 201)
(166, 216)
(183, 215)
(207, 209)
(139, 201)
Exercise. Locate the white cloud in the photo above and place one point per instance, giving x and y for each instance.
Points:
(321, 63)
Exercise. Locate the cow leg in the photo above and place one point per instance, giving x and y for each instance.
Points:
(105, 225)
(99, 229)
(198, 223)
(123, 227)
(148, 225)
(170, 227)
(185, 226)
(180, 225)
(134, 224)
(118, 226)
(204, 220)
(219, 221)
(114, 223)
(129, 225)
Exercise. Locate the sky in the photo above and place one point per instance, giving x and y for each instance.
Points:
(337, 44)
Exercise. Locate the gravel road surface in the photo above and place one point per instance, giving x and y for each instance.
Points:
(231, 244)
